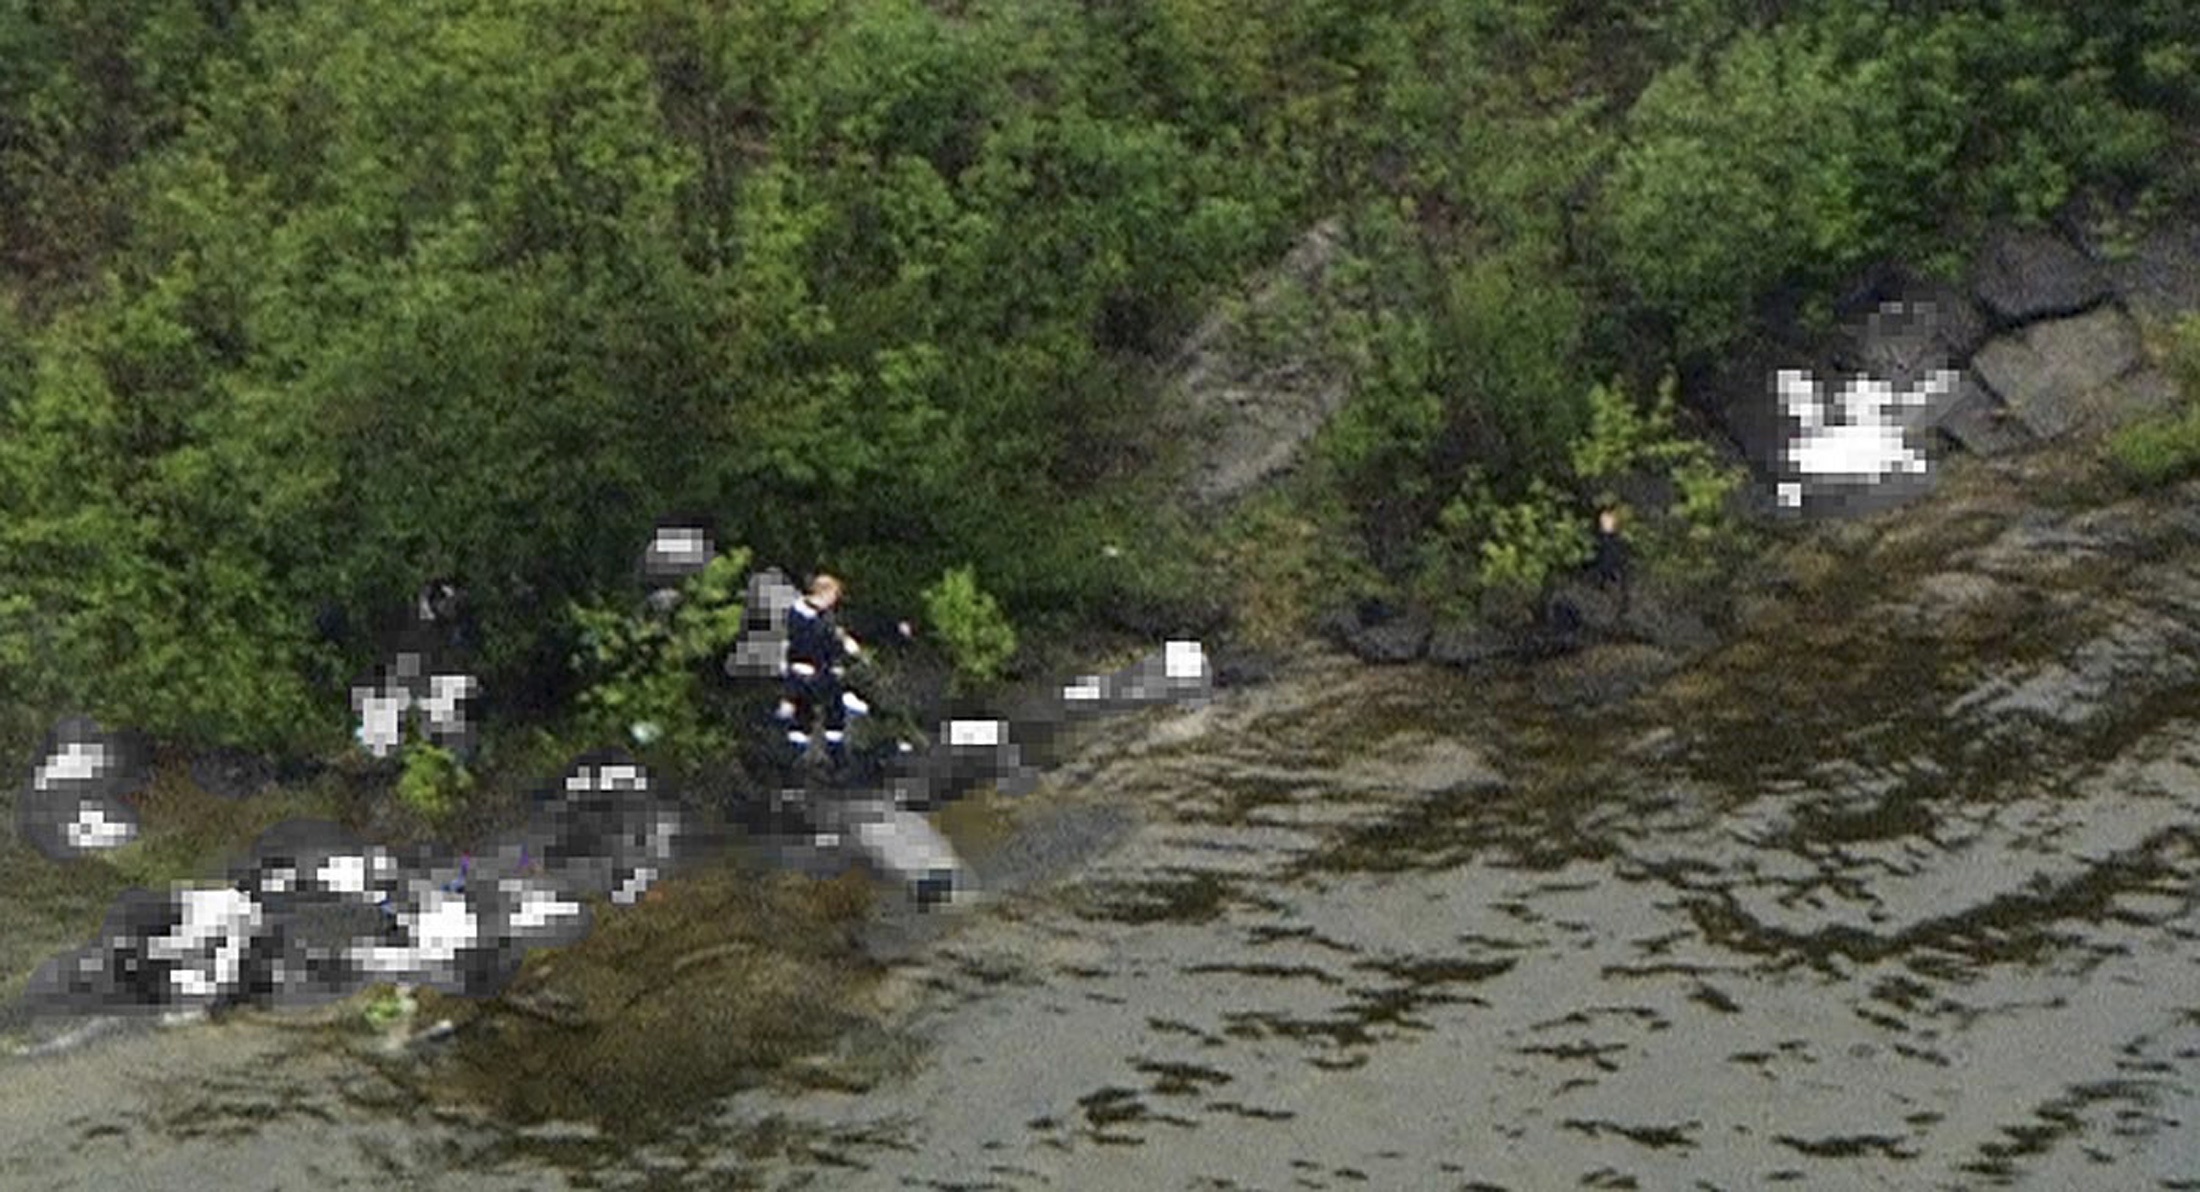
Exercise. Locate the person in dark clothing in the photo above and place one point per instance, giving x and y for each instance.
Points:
(1613, 559)
(818, 655)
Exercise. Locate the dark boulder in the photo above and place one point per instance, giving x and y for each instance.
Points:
(1377, 630)
(1741, 396)
(2024, 274)
(1979, 423)
(1471, 644)
(1238, 667)
(1400, 639)
(1906, 328)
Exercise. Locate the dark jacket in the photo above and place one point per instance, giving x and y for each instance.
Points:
(814, 638)
(1610, 565)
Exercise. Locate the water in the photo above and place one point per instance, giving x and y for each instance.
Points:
(1897, 891)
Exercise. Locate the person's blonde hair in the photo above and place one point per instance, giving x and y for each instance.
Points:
(823, 584)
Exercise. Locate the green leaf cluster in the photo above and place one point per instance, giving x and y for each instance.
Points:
(978, 636)
(433, 784)
(1488, 550)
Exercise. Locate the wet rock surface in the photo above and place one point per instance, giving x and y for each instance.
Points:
(1884, 924)
(1978, 422)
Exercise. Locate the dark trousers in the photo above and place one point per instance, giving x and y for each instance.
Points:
(815, 698)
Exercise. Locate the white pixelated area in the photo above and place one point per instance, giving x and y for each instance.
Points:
(679, 549)
(315, 914)
(1856, 437)
(436, 702)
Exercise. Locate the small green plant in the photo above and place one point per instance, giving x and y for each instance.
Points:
(979, 638)
(1531, 541)
(2157, 451)
(1705, 506)
(387, 1007)
(2164, 449)
(434, 781)
(1492, 553)
(1623, 437)
(1700, 524)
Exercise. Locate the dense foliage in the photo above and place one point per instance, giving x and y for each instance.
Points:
(301, 301)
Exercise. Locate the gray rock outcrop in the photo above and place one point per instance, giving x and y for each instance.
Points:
(1979, 423)
(2160, 278)
(2042, 338)
(2053, 374)
(1379, 633)
(1243, 418)
(2025, 275)
(1915, 327)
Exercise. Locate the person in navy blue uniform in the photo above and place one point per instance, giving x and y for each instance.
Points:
(818, 655)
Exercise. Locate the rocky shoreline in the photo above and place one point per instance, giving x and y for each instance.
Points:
(2049, 337)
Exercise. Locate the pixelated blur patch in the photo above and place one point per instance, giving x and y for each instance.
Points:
(77, 799)
(1866, 435)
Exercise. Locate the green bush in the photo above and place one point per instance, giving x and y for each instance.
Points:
(1489, 554)
(1378, 442)
(434, 783)
(979, 638)
(1511, 344)
(1689, 538)
(1777, 160)
(2164, 449)
(306, 299)
(649, 677)
(2157, 451)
